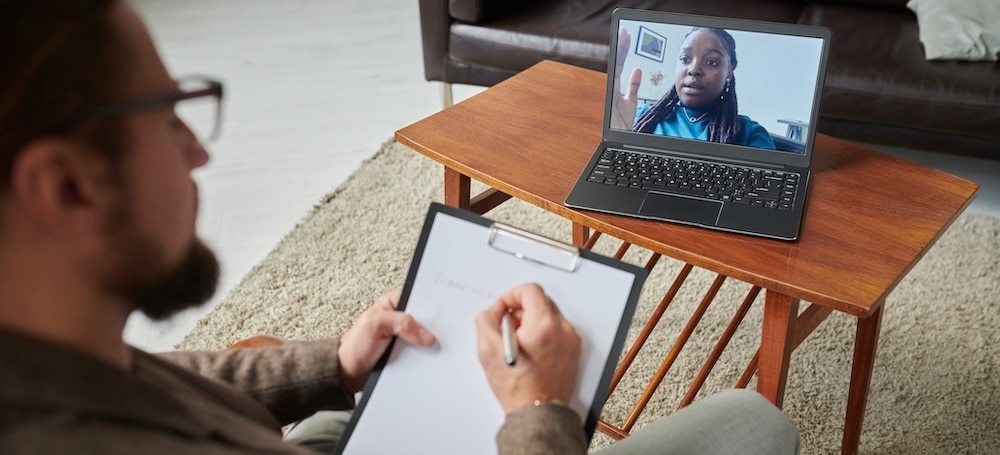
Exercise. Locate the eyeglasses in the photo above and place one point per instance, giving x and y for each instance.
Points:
(197, 102)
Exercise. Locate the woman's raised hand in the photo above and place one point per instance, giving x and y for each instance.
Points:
(623, 106)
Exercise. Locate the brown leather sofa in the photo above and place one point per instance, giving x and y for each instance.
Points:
(880, 88)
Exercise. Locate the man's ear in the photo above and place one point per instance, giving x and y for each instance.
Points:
(58, 185)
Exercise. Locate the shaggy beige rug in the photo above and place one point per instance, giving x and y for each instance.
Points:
(936, 387)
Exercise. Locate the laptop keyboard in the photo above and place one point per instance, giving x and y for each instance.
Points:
(703, 179)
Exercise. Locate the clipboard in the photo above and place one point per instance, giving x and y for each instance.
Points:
(436, 399)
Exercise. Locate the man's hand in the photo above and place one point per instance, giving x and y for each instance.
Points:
(623, 107)
(548, 359)
(363, 344)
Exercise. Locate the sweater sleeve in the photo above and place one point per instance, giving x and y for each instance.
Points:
(545, 429)
(293, 380)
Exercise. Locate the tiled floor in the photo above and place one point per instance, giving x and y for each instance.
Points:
(313, 88)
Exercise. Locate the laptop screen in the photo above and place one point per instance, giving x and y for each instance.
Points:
(746, 84)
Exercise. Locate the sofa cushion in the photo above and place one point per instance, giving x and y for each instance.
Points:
(522, 39)
(482, 10)
(878, 74)
(863, 3)
(959, 29)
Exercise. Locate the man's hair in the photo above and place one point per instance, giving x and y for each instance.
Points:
(62, 58)
(723, 125)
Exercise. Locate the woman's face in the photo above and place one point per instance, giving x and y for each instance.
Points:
(702, 69)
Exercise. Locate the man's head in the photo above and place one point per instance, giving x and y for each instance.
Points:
(108, 189)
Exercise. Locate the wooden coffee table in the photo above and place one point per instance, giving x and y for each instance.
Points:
(530, 136)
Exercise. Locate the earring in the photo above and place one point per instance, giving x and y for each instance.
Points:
(723, 95)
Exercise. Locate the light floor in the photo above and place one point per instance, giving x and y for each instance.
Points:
(313, 87)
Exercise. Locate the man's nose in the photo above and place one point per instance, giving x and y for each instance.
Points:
(197, 155)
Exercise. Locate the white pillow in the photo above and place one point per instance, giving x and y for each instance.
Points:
(958, 29)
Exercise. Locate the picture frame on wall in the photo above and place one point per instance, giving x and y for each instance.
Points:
(650, 44)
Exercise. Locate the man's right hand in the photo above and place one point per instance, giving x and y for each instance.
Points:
(548, 359)
(623, 106)
(366, 340)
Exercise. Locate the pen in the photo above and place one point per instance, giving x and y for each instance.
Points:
(509, 343)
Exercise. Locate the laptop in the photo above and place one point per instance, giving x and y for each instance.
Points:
(688, 138)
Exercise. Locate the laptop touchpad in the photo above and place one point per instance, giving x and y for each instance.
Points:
(680, 208)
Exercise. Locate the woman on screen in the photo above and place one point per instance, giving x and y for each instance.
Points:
(701, 104)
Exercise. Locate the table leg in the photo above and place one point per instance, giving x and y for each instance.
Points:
(580, 234)
(776, 345)
(457, 189)
(865, 344)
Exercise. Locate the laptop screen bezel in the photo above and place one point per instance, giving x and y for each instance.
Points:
(696, 147)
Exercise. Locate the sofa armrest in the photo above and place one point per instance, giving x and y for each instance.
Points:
(434, 28)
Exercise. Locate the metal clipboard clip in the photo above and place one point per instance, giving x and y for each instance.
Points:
(533, 247)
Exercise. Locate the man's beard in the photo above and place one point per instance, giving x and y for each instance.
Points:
(141, 278)
(190, 284)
